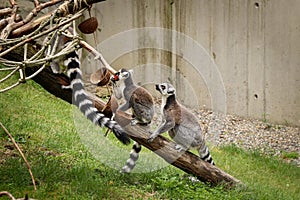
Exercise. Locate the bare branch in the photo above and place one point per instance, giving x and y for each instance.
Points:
(36, 3)
(2, 193)
(10, 21)
(11, 197)
(12, 25)
(63, 10)
(77, 15)
(5, 11)
(4, 22)
(97, 55)
(12, 2)
(21, 153)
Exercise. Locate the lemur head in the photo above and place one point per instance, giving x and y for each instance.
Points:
(166, 89)
(122, 74)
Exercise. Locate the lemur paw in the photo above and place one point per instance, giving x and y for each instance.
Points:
(65, 87)
(134, 122)
(179, 148)
(151, 138)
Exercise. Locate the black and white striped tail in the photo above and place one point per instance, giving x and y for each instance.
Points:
(80, 99)
(134, 155)
(205, 155)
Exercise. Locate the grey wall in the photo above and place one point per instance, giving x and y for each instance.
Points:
(249, 64)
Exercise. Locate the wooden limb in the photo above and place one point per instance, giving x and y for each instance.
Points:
(97, 55)
(12, 2)
(4, 22)
(163, 147)
(5, 11)
(14, 24)
(28, 28)
(16, 28)
(36, 3)
(77, 15)
(9, 195)
(11, 22)
(21, 153)
(73, 8)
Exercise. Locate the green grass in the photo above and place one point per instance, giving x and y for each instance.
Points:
(70, 159)
(290, 155)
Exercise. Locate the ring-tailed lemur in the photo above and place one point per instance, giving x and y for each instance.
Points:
(137, 98)
(180, 123)
(141, 103)
(81, 100)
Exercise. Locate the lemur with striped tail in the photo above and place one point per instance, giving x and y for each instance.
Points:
(141, 103)
(181, 124)
(81, 100)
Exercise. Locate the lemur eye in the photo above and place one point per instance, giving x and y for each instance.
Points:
(125, 74)
(163, 87)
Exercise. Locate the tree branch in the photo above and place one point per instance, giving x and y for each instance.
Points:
(11, 197)
(14, 26)
(21, 153)
(5, 11)
(69, 8)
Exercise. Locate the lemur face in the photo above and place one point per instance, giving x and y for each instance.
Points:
(124, 74)
(121, 75)
(115, 77)
(165, 89)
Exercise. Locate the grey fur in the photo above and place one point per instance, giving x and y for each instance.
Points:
(131, 161)
(182, 125)
(137, 98)
(141, 103)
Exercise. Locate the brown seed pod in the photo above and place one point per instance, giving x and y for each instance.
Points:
(89, 25)
(100, 77)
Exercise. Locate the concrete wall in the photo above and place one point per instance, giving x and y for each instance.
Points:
(237, 56)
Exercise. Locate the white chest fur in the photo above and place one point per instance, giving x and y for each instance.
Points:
(163, 103)
(118, 89)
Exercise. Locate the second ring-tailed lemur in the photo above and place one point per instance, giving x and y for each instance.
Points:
(81, 100)
(141, 103)
(181, 124)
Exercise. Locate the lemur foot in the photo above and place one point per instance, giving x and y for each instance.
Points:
(65, 87)
(134, 122)
(151, 137)
(193, 179)
(179, 148)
